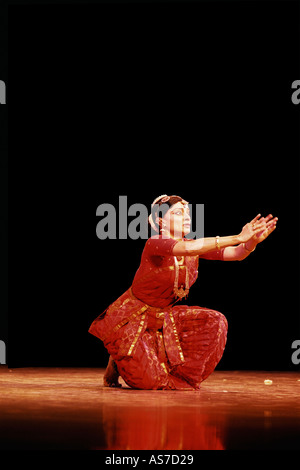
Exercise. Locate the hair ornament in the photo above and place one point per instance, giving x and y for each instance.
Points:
(158, 198)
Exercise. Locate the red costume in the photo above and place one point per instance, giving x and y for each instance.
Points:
(156, 344)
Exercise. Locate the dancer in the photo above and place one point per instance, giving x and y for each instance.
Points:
(154, 342)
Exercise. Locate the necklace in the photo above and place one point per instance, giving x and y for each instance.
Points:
(183, 291)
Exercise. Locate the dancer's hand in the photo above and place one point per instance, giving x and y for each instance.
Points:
(270, 225)
(256, 226)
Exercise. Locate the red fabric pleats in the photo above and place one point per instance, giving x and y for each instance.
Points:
(173, 348)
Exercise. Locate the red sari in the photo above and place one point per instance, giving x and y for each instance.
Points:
(156, 344)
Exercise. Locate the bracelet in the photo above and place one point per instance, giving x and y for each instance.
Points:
(218, 242)
(249, 251)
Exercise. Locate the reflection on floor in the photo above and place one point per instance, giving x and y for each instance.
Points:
(67, 408)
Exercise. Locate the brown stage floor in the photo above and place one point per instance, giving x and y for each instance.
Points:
(68, 408)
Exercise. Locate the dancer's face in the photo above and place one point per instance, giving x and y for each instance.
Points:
(177, 220)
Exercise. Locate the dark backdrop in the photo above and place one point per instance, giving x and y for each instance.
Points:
(3, 179)
(189, 98)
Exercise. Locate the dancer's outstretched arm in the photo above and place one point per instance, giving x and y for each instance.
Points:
(201, 246)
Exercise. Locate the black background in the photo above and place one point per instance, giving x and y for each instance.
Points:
(188, 98)
(4, 179)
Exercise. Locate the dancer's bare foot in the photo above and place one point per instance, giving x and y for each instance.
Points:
(111, 376)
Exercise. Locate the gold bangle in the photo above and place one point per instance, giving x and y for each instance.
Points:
(249, 251)
(218, 242)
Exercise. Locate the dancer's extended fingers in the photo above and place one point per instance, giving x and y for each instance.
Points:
(272, 226)
(272, 221)
(259, 227)
(260, 223)
(269, 217)
(255, 219)
(271, 229)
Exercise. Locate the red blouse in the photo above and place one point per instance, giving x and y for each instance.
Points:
(154, 280)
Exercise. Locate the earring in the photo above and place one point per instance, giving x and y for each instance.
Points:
(163, 227)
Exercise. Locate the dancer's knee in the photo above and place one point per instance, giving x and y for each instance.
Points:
(221, 320)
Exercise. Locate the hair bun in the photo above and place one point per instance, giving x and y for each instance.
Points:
(158, 198)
